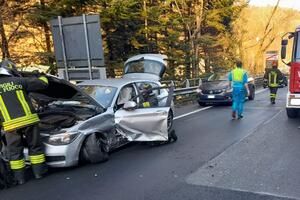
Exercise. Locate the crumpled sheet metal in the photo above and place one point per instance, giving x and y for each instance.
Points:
(99, 123)
(136, 127)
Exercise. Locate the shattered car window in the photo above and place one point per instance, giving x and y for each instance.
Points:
(103, 94)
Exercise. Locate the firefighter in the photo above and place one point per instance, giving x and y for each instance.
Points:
(238, 78)
(20, 122)
(274, 77)
(149, 99)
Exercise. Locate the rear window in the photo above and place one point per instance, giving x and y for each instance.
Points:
(144, 66)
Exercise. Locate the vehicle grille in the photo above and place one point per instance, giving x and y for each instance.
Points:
(212, 91)
(55, 158)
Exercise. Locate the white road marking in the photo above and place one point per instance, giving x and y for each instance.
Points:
(273, 117)
(206, 108)
(193, 112)
(260, 91)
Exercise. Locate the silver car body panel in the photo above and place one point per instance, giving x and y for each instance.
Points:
(148, 56)
(147, 76)
(145, 124)
(97, 124)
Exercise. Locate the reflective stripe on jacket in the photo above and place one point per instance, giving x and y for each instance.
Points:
(273, 79)
(15, 105)
(274, 76)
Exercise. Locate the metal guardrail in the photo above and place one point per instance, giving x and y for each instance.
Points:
(189, 86)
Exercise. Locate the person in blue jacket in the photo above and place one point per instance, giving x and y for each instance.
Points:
(238, 78)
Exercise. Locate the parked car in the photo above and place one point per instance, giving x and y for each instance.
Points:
(84, 123)
(217, 90)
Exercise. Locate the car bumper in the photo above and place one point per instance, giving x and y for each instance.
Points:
(224, 98)
(64, 155)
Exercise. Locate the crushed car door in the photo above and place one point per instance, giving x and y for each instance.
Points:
(145, 124)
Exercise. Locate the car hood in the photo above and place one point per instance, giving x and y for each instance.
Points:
(59, 89)
(215, 85)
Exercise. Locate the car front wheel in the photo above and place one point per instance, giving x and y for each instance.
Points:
(93, 149)
(252, 94)
(201, 104)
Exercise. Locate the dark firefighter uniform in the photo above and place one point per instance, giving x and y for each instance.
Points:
(274, 77)
(18, 119)
(149, 99)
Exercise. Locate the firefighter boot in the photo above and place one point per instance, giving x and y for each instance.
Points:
(19, 176)
(39, 170)
(272, 100)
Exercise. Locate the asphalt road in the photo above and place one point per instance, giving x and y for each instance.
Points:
(214, 158)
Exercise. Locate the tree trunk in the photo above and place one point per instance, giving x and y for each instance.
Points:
(52, 69)
(199, 12)
(46, 30)
(4, 42)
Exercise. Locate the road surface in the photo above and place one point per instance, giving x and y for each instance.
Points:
(214, 158)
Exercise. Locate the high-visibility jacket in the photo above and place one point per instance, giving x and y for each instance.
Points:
(16, 108)
(149, 101)
(274, 76)
(238, 75)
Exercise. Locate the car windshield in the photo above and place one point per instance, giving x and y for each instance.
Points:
(218, 77)
(103, 94)
(144, 66)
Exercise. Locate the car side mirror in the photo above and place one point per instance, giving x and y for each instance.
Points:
(130, 105)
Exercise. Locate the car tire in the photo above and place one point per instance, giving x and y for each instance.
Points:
(171, 133)
(92, 150)
(172, 136)
(201, 104)
(292, 112)
(252, 93)
(170, 121)
(252, 96)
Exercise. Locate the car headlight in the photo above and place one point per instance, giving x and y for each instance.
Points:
(62, 138)
(228, 90)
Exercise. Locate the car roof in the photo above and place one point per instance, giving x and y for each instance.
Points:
(113, 82)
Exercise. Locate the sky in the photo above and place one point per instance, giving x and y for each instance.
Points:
(283, 3)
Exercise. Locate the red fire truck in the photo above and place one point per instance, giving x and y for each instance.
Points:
(293, 95)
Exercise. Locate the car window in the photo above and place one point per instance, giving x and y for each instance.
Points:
(158, 94)
(127, 93)
(103, 94)
(144, 66)
(153, 85)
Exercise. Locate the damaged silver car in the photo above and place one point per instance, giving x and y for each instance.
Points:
(84, 123)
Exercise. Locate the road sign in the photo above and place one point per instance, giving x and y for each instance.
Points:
(78, 45)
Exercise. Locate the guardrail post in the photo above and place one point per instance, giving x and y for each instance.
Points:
(187, 83)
